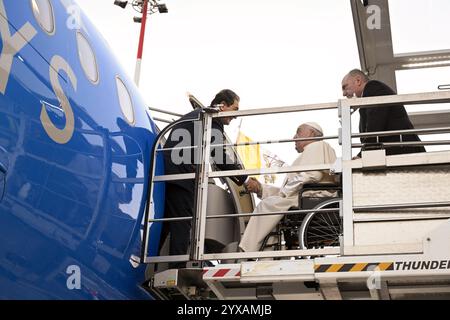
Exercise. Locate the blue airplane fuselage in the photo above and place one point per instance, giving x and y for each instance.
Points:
(75, 144)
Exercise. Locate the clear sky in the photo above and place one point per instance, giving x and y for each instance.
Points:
(271, 53)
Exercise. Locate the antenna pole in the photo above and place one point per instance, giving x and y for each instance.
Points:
(137, 73)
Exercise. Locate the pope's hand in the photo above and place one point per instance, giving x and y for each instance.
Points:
(253, 185)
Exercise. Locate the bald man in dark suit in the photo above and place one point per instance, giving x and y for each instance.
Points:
(387, 118)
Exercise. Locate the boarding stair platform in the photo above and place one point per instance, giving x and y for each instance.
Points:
(393, 234)
(390, 277)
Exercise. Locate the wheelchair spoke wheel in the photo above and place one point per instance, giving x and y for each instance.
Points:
(321, 229)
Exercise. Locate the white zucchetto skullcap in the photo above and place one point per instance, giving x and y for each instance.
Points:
(314, 125)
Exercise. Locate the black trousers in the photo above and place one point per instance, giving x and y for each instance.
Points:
(179, 202)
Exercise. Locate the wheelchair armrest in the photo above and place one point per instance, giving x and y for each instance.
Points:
(310, 202)
(320, 186)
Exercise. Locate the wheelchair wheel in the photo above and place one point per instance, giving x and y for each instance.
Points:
(321, 229)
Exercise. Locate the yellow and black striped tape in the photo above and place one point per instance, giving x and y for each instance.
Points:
(354, 267)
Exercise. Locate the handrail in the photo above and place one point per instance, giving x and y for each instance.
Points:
(403, 206)
(174, 177)
(214, 145)
(407, 143)
(165, 112)
(274, 141)
(149, 195)
(410, 99)
(275, 110)
(251, 214)
(162, 120)
(398, 132)
(344, 106)
(245, 172)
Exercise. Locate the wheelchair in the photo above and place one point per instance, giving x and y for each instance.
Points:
(310, 230)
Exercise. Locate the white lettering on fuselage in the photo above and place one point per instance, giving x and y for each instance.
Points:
(12, 44)
(60, 135)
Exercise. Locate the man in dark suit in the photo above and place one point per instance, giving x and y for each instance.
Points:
(387, 118)
(179, 199)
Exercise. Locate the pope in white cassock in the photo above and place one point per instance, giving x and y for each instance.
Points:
(312, 152)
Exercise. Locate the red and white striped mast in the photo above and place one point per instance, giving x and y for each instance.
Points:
(137, 71)
(143, 5)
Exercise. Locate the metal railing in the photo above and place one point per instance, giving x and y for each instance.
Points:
(150, 186)
(164, 112)
(345, 136)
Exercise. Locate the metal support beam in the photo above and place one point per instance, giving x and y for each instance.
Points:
(347, 188)
(330, 290)
(202, 191)
(374, 40)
